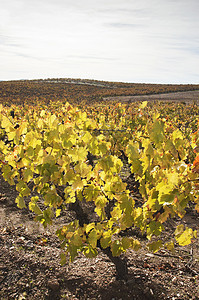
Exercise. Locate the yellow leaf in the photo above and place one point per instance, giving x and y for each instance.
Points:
(135, 244)
(78, 183)
(184, 238)
(58, 212)
(90, 227)
(5, 122)
(169, 246)
(143, 105)
(42, 114)
(83, 169)
(20, 202)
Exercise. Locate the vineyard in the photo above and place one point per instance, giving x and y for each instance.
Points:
(77, 91)
(111, 181)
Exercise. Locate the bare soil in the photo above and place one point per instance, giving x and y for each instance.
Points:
(187, 97)
(30, 263)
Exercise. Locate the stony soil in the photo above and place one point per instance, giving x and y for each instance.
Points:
(30, 263)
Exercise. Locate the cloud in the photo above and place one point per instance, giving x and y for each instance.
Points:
(120, 40)
(9, 41)
(23, 55)
(3, 39)
(123, 25)
(84, 57)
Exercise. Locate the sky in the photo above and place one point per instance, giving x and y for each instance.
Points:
(150, 41)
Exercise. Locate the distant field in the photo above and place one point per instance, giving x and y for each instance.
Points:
(187, 97)
(77, 91)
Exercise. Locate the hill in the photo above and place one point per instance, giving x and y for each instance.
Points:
(79, 90)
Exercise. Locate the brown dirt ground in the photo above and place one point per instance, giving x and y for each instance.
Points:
(187, 97)
(30, 263)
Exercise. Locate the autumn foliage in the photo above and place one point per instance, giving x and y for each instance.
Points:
(73, 158)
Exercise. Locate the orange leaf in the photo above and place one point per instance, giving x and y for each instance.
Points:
(196, 164)
(196, 161)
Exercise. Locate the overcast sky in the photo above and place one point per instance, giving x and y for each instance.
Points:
(155, 41)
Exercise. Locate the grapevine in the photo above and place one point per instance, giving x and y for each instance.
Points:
(72, 158)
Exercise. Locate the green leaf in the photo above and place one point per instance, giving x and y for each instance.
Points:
(27, 175)
(169, 146)
(72, 249)
(179, 229)
(169, 246)
(51, 198)
(22, 188)
(8, 174)
(132, 152)
(116, 248)
(102, 148)
(167, 198)
(90, 252)
(105, 241)
(136, 167)
(63, 259)
(46, 218)
(92, 238)
(76, 239)
(126, 242)
(155, 246)
(91, 192)
(34, 207)
(154, 228)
